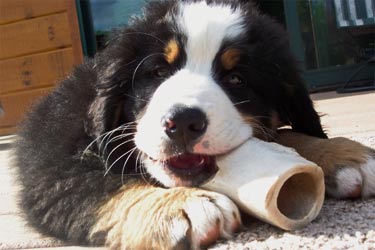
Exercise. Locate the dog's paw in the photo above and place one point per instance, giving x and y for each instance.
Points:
(353, 181)
(211, 216)
(348, 166)
(178, 218)
(352, 174)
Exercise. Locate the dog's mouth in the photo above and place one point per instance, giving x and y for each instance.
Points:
(190, 164)
(189, 169)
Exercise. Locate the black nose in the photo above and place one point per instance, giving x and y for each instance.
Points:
(183, 125)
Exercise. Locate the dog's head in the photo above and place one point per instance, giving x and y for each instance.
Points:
(191, 80)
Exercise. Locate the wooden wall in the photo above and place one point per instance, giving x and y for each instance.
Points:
(39, 44)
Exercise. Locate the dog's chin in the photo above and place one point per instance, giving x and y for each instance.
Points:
(188, 170)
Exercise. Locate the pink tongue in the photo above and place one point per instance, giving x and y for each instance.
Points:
(187, 161)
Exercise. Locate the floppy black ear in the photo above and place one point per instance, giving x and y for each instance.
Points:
(95, 125)
(301, 113)
(281, 75)
(105, 110)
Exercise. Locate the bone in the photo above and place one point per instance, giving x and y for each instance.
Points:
(271, 182)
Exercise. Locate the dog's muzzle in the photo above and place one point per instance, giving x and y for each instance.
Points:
(184, 126)
(188, 122)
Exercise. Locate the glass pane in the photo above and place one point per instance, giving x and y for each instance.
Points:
(326, 42)
(108, 14)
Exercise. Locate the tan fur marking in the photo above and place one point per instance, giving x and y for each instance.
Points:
(171, 51)
(259, 130)
(230, 58)
(126, 217)
(327, 153)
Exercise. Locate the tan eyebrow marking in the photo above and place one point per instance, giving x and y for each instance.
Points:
(171, 51)
(230, 58)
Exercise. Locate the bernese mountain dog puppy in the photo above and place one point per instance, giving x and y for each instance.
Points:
(116, 153)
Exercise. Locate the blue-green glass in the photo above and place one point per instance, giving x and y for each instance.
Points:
(331, 53)
(328, 42)
(108, 14)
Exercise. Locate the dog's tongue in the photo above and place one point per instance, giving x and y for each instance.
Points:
(188, 161)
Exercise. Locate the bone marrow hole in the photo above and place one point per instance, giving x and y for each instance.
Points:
(297, 196)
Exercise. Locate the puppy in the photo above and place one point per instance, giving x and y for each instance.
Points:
(116, 153)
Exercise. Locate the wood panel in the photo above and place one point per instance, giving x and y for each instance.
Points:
(39, 44)
(8, 130)
(75, 34)
(35, 71)
(35, 35)
(15, 10)
(15, 105)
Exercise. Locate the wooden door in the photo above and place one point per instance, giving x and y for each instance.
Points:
(39, 45)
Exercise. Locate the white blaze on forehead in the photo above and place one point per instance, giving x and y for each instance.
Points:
(205, 27)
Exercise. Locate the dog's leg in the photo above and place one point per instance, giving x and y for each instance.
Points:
(84, 207)
(145, 217)
(349, 167)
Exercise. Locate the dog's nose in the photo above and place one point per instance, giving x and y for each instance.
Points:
(183, 125)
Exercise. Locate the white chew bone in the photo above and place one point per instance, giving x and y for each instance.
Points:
(271, 182)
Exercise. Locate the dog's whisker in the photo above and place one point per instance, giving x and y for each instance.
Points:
(238, 103)
(115, 148)
(140, 63)
(92, 143)
(263, 130)
(119, 137)
(225, 128)
(251, 118)
(140, 167)
(143, 170)
(136, 160)
(146, 34)
(261, 117)
(109, 134)
(103, 137)
(146, 176)
(129, 123)
(113, 163)
(124, 165)
(86, 150)
(268, 133)
(116, 138)
(135, 97)
(122, 127)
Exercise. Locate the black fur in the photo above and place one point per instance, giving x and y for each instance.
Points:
(61, 189)
(61, 192)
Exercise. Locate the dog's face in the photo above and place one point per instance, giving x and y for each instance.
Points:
(190, 117)
(198, 79)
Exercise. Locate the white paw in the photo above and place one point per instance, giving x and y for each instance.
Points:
(355, 182)
(368, 174)
(348, 183)
(212, 216)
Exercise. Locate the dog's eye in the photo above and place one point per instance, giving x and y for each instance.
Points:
(235, 80)
(161, 72)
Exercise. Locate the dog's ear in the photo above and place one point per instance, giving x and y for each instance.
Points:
(299, 107)
(103, 113)
(95, 125)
